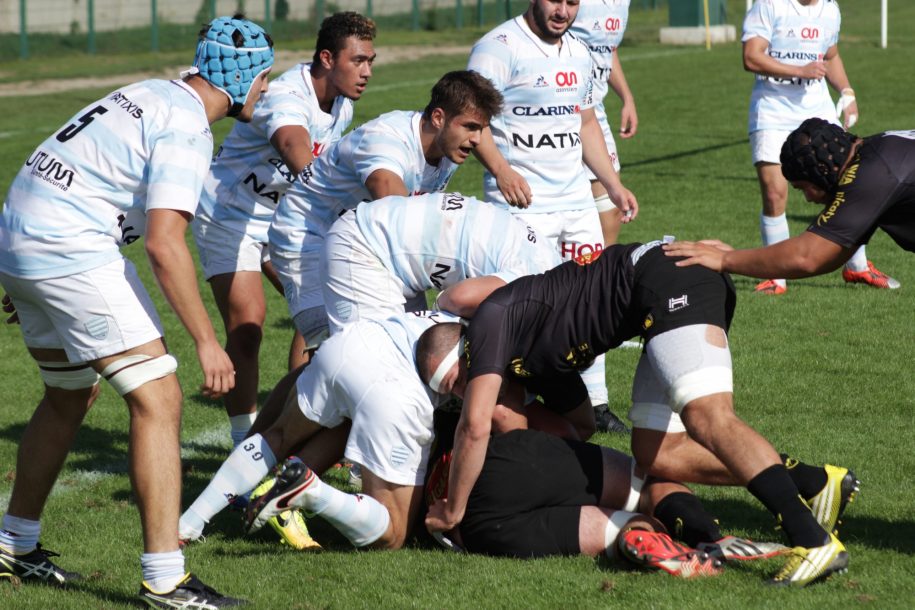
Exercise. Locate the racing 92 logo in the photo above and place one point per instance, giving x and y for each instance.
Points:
(612, 24)
(808, 33)
(566, 79)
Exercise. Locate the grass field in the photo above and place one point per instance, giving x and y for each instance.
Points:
(823, 372)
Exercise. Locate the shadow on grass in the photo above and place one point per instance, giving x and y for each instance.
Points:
(98, 449)
(687, 153)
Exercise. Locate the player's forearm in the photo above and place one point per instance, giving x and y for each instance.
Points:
(797, 257)
(836, 75)
(758, 61)
(487, 153)
(467, 463)
(594, 152)
(618, 83)
(293, 143)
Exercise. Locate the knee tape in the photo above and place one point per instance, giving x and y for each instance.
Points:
(604, 203)
(67, 376)
(689, 366)
(130, 372)
(635, 489)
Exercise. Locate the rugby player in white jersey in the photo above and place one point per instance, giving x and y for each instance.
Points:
(399, 153)
(130, 164)
(386, 253)
(304, 111)
(535, 149)
(792, 46)
(600, 24)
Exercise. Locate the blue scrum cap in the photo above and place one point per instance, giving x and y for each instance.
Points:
(231, 54)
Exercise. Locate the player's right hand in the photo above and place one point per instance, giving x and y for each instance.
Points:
(438, 518)
(218, 370)
(708, 253)
(815, 70)
(514, 188)
(9, 308)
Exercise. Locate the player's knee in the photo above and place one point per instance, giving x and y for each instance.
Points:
(245, 340)
(128, 373)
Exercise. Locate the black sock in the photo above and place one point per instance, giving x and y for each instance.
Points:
(775, 489)
(686, 519)
(810, 480)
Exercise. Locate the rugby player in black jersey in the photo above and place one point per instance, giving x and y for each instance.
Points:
(865, 184)
(542, 329)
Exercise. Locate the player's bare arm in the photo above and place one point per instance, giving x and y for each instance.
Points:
(174, 270)
(629, 118)
(597, 159)
(511, 184)
(838, 80)
(470, 442)
(293, 143)
(463, 298)
(757, 60)
(384, 182)
(805, 255)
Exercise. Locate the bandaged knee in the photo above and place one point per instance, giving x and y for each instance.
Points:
(67, 376)
(689, 366)
(130, 372)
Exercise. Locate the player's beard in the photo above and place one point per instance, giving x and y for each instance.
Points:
(543, 24)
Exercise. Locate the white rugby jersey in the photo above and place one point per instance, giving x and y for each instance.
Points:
(405, 329)
(600, 24)
(797, 35)
(85, 190)
(539, 131)
(335, 182)
(248, 177)
(439, 239)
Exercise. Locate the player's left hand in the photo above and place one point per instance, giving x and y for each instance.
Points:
(514, 188)
(9, 308)
(629, 121)
(850, 115)
(708, 253)
(218, 370)
(438, 518)
(625, 202)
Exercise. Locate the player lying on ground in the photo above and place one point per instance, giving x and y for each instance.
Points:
(542, 329)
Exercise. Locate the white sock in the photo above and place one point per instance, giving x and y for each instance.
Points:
(240, 426)
(362, 519)
(858, 260)
(240, 473)
(19, 536)
(595, 378)
(162, 571)
(774, 229)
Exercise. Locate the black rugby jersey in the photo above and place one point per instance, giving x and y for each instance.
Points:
(876, 191)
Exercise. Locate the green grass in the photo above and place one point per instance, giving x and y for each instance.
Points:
(824, 372)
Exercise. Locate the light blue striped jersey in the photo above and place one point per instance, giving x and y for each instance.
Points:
(439, 239)
(335, 182)
(85, 190)
(797, 35)
(248, 177)
(539, 131)
(405, 329)
(600, 24)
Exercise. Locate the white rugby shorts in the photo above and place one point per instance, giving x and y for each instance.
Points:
(355, 283)
(225, 250)
(766, 145)
(89, 315)
(574, 232)
(299, 273)
(360, 375)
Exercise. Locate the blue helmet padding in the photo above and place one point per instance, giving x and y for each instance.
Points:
(231, 54)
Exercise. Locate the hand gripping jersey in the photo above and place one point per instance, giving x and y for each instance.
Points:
(248, 177)
(437, 240)
(335, 182)
(85, 190)
(797, 35)
(539, 131)
(600, 25)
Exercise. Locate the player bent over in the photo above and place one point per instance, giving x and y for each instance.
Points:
(541, 329)
(127, 165)
(305, 110)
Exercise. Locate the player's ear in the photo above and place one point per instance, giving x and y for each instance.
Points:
(327, 58)
(438, 118)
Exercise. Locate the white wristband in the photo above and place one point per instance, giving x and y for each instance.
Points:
(844, 102)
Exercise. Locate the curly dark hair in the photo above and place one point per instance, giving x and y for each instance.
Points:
(462, 91)
(816, 152)
(336, 28)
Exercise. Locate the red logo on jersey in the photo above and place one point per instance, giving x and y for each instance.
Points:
(316, 149)
(566, 79)
(583, 254)
(810, 33)
(612, 24)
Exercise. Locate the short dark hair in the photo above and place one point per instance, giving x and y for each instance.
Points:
(435, 342)
(463, 91)
(340, 26)
(816, 152)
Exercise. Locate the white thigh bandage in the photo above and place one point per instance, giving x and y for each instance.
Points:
(604, 203)
(635, 488)
(689, 366)
(67, 376)
(650, 409)
(617, 522)
(130, 372)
